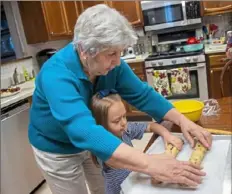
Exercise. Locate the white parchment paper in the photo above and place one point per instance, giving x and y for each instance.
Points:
(214, 165)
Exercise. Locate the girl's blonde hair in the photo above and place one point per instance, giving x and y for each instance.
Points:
(100, 107)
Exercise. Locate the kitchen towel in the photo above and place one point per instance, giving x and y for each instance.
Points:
(161, 83)
(180, 80)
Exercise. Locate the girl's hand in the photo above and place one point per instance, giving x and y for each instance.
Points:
(176, 141)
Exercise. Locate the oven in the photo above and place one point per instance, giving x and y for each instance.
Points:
(167, 14)
(196, 68)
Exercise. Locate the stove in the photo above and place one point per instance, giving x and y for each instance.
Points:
(171, 54)
(166, 62)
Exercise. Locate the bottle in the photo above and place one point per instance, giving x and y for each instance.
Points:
(16, 77)
(25, 73)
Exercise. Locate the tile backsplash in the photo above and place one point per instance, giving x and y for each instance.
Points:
(223, 21)
(7, 70)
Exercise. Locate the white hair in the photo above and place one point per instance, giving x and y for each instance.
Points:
(101, 27)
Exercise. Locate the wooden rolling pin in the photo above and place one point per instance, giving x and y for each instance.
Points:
(219, 132)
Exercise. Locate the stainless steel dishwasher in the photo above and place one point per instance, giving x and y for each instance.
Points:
(19, 172)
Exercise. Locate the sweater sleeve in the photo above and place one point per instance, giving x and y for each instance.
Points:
(140, 94)
(69, 109)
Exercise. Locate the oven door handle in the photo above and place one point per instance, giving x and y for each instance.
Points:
(189, 68)
(196, 67)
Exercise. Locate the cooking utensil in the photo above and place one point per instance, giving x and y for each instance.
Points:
(205, 30)
(193, 47)
(213, 28)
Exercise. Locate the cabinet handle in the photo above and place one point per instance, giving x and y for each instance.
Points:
(218, 9)
(58, 34)
(5, 116)
(133, 69)
(224, 60)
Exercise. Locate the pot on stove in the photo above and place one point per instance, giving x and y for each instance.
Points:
(163, 47)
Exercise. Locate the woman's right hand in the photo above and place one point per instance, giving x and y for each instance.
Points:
(166, 169)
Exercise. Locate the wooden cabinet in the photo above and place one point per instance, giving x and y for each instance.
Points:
(48, 20)
(132, 112)
(71, 12)
(87, 4)
(216, 7)
(215, 86)
(130, 9)
(216, 64)
(55, 20)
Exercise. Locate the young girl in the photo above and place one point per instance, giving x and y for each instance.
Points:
(109, 111)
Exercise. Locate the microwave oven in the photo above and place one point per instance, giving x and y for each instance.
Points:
(167, 14)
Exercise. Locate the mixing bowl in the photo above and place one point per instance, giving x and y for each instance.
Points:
(192, 109)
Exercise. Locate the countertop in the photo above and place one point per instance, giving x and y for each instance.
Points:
(15, 60)
(211, 49)
(139, 58)
(27, 90)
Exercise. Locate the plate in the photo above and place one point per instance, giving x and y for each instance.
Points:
(8, 94)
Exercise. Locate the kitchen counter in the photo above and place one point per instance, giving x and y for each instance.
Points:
(139, 58)
(27, 90)
(211, 49)
(15, 60)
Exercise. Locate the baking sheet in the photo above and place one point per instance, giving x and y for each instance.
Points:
(217, 165)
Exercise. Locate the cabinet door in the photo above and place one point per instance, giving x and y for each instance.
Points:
(130, 9)
(71, 12)
(215, 86)
(217, 7)
(87, 4)
(33, 21)
(216, 60)
(54, 17)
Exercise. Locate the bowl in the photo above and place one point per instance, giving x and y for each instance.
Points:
(193, 47)
(192, 109)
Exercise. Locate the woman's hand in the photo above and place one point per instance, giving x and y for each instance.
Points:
(172, 139)
(190, 130)
(166, 169)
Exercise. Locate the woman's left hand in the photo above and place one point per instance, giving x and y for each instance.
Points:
(190, 130)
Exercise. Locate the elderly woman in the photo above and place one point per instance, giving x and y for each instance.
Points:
(62, 129)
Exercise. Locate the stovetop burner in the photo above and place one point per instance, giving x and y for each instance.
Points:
(171, 54)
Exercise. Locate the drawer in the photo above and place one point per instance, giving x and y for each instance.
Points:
(138, 68)
(217, 60)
